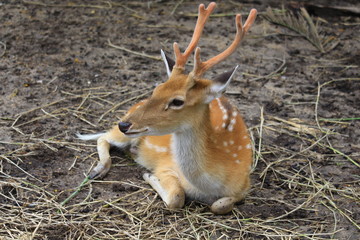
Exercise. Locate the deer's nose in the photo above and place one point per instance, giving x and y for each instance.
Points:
(124, 126)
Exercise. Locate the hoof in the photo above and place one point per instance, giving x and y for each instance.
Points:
(223, 205)
(176, 200)
(99, 171)
(149, 178)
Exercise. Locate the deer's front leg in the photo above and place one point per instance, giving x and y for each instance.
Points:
(101, 169)
(168, 187)
(111, 138)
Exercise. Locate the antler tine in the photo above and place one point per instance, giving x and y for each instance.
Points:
(201, 67)
(203, 15)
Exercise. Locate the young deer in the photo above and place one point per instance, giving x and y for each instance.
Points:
(191, 138)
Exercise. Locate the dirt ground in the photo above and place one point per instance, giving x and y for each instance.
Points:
(68, 67)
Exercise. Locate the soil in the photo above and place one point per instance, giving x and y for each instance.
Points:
(59, 76)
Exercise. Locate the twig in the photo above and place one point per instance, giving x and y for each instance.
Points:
(291, 157)
(84, 120)
(78, 189)
(317, 119)
(121, 4)
(11, 162)
(339, 119)
(298, 207)
(109, 5)
(50, 147)
(122, 103)
(317, 106)
(73, 164)
(4, 50)
(39, 118)
(176, 6)
(123, 210)
(133, 52)
(49, 114)
(341, 154)
(36, 229)
(298, 127)
(279, 71)
(83, 101)
(258, 155)
(44, 106)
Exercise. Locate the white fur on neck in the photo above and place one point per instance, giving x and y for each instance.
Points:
(188, 149)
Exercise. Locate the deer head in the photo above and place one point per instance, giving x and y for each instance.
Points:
(183, 99)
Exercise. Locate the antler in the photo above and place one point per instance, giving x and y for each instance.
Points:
(201, 67)
(203, 15)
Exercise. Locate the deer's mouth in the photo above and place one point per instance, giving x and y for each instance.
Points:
(136, 132)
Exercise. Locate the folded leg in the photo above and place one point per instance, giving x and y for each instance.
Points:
(167, 185)
(223, 205)
(226, 204)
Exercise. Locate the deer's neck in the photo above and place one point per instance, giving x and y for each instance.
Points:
(189, 147)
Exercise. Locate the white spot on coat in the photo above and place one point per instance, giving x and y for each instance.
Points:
(225, 113)
(155, 147)
(231, 125)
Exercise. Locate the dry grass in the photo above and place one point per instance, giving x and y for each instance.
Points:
(29, 211)
(303, 24)
(290, 197)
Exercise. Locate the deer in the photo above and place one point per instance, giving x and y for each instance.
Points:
(191, 138)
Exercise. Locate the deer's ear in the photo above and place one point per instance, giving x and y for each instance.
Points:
(219, 85)
(169, 63)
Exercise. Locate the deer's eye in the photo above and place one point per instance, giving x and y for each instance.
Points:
(176, 103)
